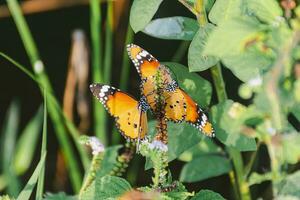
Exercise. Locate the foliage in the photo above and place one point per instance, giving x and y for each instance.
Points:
(257, 41)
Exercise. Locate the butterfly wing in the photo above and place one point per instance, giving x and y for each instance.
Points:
(192, 113)
(144, 62)
(130, 119)
(175, 108)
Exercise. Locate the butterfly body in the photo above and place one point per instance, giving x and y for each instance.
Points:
(179, 106)
(130, 114)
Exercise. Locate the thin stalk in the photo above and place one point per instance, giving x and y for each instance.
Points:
(69, 125)
(180, 52)
(38, 68)
(124, 76)
(108, 43)
(240, 186)
(125, 61)
(99, 112)
(40, 185)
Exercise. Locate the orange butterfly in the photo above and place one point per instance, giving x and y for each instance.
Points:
(130, 114)
(179, 106)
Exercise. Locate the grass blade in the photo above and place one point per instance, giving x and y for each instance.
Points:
(99, 112)
(26, 192)
(40, 185)
(70, 126)
(108, 43)
(38, 68)
(9, 134)
(27, 143)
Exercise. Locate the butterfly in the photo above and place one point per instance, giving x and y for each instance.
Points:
(130, 114)
(179, 106)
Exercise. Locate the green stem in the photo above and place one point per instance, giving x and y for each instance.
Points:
(108, 43)
(125, 61)
(38, 68)
(241, 187)
(99, 112)
(41, 183)
(124, 76)
(180, 52)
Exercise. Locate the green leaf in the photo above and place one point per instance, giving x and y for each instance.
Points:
(179, 193)
(204, 147)
(228, 119)
(26, 145)
(172, 28)
(256, 178)
(197, 60)
(59, 196)
(224, 10)
(207, 195)
(291, 148)
(239, 31)
(28, 189)
(267, 11)
(106, 187)
(141, 13)
(109, 160)
(198, 88)
(248, 64)
(290, 186)
(181, 137)
(204, 167)
(41, 181)
(7, 147)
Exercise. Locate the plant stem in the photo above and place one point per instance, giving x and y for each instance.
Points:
(41, 75)
(99, 112)
(241, 188)
(108, 43)
(41, 183)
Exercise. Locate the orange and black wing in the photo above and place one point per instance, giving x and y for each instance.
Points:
(130, 119)
(144, 62)
(188, 109)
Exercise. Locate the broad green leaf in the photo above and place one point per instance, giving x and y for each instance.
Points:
(205, 167)
(26, 145)
(267, 10)
(248, 64)
(204, 147)
(197, 60)
(224, 10)
(198, 88)
(141, 13)
(232, 37)
(109, 160)
(106, 187)
(172, 28)
(59, 196)
(296, 111)
(207, 195)
(291, 148)
(228, 119)
(179, 193)
(290, 186)
(181, 137)
(256, 178)
(7, 147)
(28, 189)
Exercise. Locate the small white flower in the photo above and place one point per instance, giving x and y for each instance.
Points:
(271, 130)
(257, 81)
(156, 144)
(96, 146)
